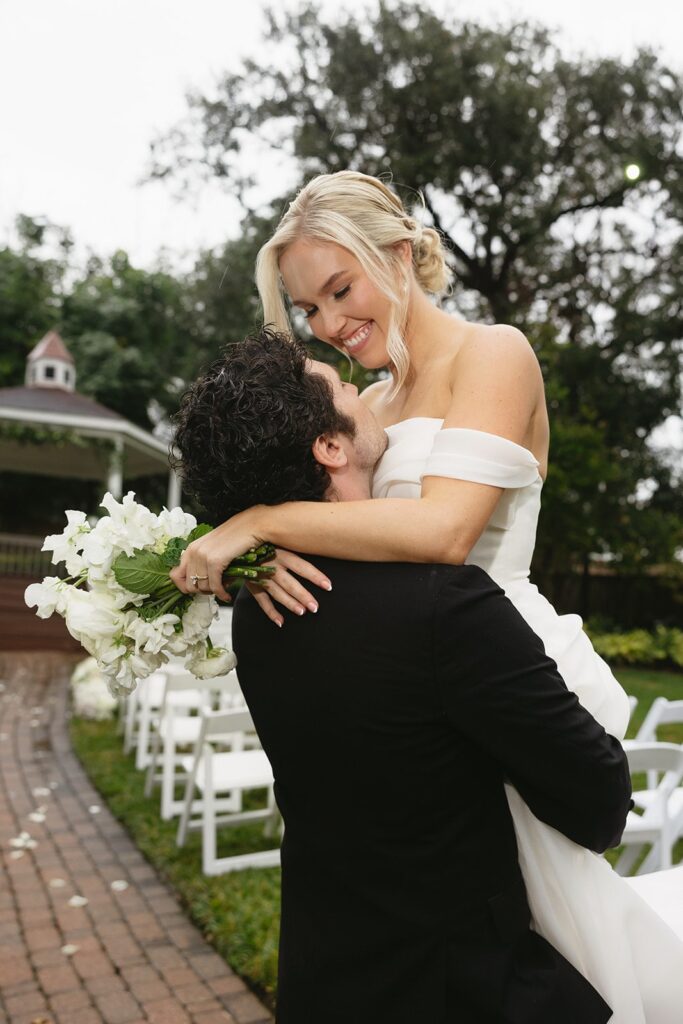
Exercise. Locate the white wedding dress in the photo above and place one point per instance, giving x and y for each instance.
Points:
(587, 911)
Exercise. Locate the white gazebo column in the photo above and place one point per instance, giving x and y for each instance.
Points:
(115, 472)
(174, 490)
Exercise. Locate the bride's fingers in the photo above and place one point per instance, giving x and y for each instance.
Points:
(302, 568)
(282, 596)
(265, 604)
(290, 585)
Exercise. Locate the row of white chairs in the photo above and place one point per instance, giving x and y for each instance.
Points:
(657, 820)
(172, 712)
(199, 734)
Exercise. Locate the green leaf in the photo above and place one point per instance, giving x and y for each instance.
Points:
(173, 551)
(142, 573)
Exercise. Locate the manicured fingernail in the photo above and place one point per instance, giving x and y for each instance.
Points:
(312, 606)
(327, 585)
(301, 611)
(278, 622)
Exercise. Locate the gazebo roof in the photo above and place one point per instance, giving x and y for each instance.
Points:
(55, 400)
(71, 428)
(50, 347)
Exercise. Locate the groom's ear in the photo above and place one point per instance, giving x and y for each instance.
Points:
(329, 452)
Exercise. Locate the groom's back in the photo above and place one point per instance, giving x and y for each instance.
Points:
(397, 831)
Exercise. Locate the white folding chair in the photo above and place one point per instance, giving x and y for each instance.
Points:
(214, 773)
(660, 823)
(661, 712)
(633, 704)
(176, 727)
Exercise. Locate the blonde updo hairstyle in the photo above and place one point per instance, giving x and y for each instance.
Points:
(361, 214)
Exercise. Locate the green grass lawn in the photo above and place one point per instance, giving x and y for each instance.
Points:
(239, 913)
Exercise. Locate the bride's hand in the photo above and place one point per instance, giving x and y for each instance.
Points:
(206, 558)
(285, 588)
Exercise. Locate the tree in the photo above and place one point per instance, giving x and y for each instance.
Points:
(30, 284)
(520, 157)
(128, 330)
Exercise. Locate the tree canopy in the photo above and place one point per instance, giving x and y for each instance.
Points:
(556, 185)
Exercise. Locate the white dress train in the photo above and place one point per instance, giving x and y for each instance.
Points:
(583, 907)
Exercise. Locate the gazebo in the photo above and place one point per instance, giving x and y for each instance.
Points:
(48, 428)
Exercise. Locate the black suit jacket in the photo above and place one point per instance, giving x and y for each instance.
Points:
(392, 719)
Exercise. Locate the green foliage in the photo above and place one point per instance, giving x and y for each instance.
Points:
(128, 332)
(640, 647)
(30, 284)
(144, 572)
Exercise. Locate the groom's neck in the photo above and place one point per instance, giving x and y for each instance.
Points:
(351, 485)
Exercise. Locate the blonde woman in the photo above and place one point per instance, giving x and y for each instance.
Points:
(461, 480)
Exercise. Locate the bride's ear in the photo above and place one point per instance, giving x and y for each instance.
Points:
(329, 452)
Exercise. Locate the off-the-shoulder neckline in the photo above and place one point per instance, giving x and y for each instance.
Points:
(440, 419)
(411, 419)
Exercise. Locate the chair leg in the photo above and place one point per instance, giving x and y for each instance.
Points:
(131, 716)
(152, 766)
(208, 818)
(142, 752)
(628, 858)
(186, 814)
(168, 773)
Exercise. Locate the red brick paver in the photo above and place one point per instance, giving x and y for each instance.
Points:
(136, 957)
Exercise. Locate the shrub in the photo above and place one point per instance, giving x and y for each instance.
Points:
(660, 647)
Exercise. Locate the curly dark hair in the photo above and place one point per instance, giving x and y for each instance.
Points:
(246, 427)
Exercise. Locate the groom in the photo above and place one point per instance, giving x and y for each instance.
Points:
(392, 719)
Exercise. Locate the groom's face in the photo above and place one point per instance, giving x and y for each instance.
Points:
(370, 442)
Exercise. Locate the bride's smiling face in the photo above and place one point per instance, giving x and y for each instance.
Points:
(342, 305)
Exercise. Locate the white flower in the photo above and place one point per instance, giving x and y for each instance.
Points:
(65, 546)
(151, 637)
(209, 664)
(92, 615)
(128, 528)
(197, 619)
(47, 597)
(175, 523)
(93, 700)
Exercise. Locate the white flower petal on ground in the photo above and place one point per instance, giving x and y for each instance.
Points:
(40, 791)
(57, 883)
(94, 809)
(119, 885)
(69, 949)
(36, 816)
(78, 901)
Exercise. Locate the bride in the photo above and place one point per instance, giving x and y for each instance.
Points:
(461, 480)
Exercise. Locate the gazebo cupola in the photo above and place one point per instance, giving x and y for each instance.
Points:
(51, 365)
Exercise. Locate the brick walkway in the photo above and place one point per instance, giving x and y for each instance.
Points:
(127, 954)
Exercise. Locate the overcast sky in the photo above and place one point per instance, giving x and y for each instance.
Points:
(87, 84)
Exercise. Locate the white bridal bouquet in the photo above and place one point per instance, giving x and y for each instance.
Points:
(119, 601)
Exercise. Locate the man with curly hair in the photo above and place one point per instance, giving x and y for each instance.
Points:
(266, 424)
(392, 720)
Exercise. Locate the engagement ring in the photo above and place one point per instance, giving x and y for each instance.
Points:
(195, 579)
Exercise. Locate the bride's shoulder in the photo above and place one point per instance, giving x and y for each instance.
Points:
(498, 349)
